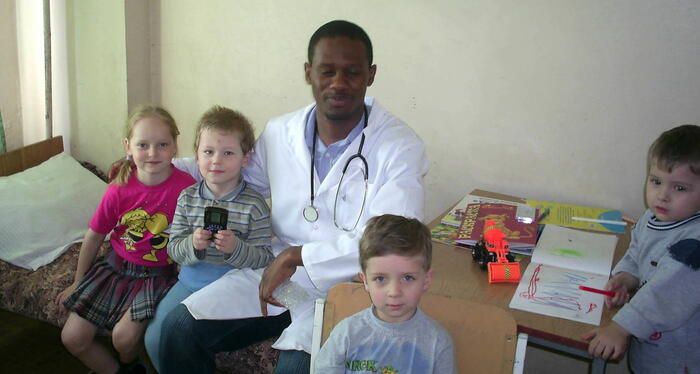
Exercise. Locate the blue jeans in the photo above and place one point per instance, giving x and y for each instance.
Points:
(152, 337)
(188, 345)
(293, 362)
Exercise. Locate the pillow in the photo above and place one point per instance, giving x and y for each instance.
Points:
(44, 209)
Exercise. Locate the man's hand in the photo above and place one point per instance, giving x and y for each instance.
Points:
(607, 342)
(200, 238)
(225, 241)
(280, 270)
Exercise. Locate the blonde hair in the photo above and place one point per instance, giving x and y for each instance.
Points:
(229, 120)
(125, 165)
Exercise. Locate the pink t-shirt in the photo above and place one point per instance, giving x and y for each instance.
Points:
(139, 217)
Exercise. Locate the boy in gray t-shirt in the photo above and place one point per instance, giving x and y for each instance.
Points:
(393, 335)
(663, 265)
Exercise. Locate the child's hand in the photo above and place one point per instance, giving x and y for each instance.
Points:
(200, 238)
(63, 295)
(622, 283)
(629, 220)
(607, 342)
(225, 241)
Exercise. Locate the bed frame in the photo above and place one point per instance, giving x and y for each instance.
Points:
(30, 156)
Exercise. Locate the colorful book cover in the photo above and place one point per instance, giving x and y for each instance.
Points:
(518, 234)
(580, 217)
(454, 217)
(444, 234)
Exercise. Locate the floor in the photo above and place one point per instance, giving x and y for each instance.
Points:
(543, 361)
(30, 346)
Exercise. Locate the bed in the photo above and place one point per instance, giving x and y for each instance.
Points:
(31, 291)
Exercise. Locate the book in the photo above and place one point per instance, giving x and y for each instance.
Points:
(456, 214)
(444, 234)
(575, 249)
(563, 260)
(581, 217)
(518, 234)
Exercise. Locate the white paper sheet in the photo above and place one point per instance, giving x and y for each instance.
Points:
(233, 296)
(554, 292)
(575, 249)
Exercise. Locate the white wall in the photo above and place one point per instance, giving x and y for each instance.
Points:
(9, 76)
(60, 84)
(97, 79)
(30, 59)
(545, 99)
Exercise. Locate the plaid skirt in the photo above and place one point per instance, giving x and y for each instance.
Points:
(113, 285)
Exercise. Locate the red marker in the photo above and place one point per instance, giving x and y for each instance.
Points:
(602, 292)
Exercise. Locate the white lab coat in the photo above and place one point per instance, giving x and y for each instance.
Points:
(280, 169)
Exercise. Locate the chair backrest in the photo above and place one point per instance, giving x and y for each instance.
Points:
(484, 336)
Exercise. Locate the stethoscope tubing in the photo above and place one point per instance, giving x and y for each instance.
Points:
(310, 213)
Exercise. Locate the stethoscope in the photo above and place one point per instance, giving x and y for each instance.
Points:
(310, 213)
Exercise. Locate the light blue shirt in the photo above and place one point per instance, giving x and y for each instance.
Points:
(363, 343)
(326, 156)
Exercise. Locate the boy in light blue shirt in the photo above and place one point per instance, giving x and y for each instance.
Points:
(393, 335)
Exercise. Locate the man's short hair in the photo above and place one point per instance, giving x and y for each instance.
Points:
(339, 28)
(676, 147)
(229, 120)
(389, 234)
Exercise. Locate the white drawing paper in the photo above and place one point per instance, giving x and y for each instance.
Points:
(555, 292)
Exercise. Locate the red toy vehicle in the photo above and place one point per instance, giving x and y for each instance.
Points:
(493, 252)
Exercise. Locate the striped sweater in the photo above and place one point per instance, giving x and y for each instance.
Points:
(248, 219)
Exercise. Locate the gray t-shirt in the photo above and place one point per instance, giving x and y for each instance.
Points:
(664, 315)
(362, 343)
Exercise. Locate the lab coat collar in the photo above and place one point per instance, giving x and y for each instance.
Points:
(296, 125)
(376, 121)
(295, 128)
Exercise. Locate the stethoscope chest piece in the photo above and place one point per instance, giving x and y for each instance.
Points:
(310, 213)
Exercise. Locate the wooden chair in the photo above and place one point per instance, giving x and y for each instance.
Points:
(484, 336)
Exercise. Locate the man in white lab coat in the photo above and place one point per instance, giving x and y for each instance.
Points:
(298, 161)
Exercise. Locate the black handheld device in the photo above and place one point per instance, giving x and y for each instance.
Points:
(215, 220)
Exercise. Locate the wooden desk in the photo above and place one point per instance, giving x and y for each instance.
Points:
(457, 275)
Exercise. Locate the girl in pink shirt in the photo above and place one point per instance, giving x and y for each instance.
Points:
(120, 291)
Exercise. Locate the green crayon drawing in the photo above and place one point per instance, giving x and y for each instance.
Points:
(566, 253)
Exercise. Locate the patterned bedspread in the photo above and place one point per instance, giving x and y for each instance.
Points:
(31, 293)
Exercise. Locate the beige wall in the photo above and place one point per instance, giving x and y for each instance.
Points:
(22, 72)
(30, 50)
(546, 99)
(60, 83)
(9, 76)
(97, 79)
